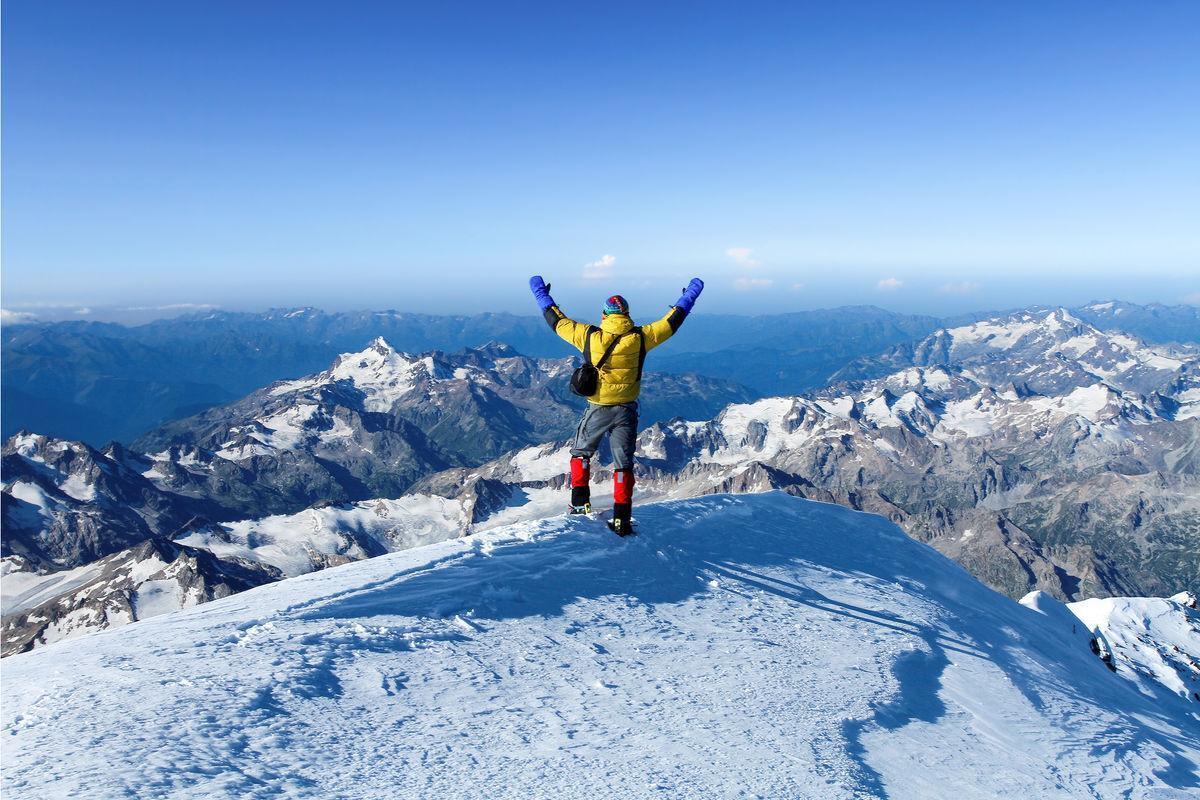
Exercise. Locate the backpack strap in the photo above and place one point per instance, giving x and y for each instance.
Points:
(609, 350)
(587, 344)
(641, 351)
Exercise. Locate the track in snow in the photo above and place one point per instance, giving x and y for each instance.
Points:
(740, 646)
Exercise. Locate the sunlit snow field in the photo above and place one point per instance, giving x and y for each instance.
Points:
(749, 646)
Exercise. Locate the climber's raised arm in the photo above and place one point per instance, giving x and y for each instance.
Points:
(567, 328)
(658, 332)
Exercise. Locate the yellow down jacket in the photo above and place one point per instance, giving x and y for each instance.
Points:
(619, 377)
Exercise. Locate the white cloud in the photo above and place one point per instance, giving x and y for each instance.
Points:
(47, 304)
(1192, 299)
(600, 269)
(797, 287)
(749, 284)
(744, 256)
(83, 312)
(889, 284)
(15, 317)
(961, 287)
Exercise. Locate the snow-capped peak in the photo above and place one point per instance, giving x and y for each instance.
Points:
(382, 373)
(376, 355)
(1053, 350)
(381, 345)
(1062, 318)
(1004, 333)
(37, 447)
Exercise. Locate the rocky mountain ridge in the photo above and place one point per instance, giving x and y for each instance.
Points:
(378, 420)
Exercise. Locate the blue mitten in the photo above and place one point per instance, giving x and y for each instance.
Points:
(688, 298)
(541, 291)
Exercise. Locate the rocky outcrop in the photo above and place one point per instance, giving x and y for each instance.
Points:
(155, 577)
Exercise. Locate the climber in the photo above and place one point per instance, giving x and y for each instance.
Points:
(611, 384)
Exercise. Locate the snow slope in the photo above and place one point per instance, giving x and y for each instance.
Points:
(741, 646)
(1150, 640)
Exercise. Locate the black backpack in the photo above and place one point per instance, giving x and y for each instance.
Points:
(585, 380)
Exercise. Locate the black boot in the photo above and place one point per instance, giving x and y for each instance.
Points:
(622, 522)
(581, 500)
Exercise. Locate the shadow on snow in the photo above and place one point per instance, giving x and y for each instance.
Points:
(683, 545)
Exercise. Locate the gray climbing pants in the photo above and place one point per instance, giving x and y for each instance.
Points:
(619, 422)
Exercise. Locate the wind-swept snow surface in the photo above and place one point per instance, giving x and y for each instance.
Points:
(1150, 640)
(748, 646)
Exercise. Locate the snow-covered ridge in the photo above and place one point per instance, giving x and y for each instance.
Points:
(1107, 355)
(67, 465)
(327, 409)
(826, 655)
(302, 414)
(1152, 641)
(320, 537)
(66, 503)
(381, 373)
(942, 408)
(384, 375)
(153, 578)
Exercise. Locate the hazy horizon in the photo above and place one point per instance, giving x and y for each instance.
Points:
(137, 315)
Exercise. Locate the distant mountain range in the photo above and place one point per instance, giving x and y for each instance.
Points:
(1037, 450)
(369, 426)
(791, 353)
(463, 407)
(98, 382)
(1154, 322)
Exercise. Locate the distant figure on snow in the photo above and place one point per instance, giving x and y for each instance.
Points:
(611, 384)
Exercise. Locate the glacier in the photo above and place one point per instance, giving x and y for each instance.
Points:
(739, 646)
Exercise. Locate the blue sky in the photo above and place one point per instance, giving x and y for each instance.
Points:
(920, 156)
